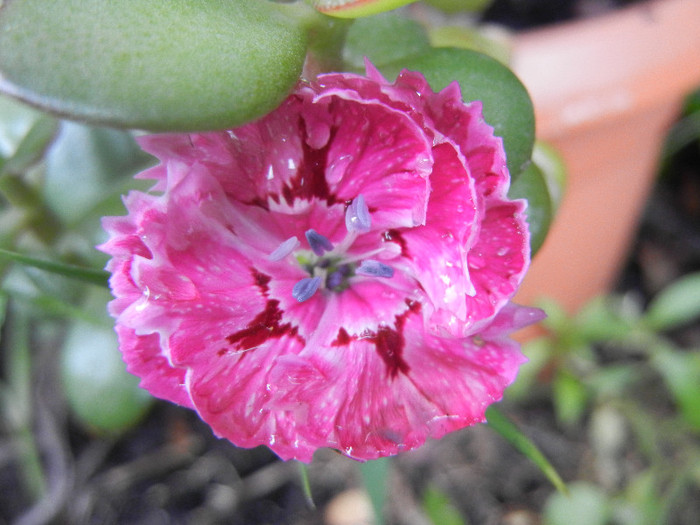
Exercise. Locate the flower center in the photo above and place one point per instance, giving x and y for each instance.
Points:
(331, 267)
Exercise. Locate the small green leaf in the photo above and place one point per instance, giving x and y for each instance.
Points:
(506, 104)
(374, 473)
(16, 120)
(383, 39)
(88, 275)
(99, 390)
(677, 304)
(85, 165)
(585, 504)
(532, 186)
(603, 319)
(503, 426)
(681, 373)
(32, 147)
(439, 508)
(357, 8)
(570, 397)
(101, 393)
(166, 65)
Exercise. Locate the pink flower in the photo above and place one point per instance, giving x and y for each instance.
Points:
(336, 274)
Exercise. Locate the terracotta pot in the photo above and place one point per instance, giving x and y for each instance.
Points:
(605, 92)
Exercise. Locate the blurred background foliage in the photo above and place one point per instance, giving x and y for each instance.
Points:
(611, 394)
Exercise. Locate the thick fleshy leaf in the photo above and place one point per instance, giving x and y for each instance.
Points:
(357, 8)
(532, 186)
(161, 65)
(85, 166)
(99, 390)
(507, 105)
(382, 39)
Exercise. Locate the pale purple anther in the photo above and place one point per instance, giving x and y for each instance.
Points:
(374, 268)
(305, 288)
(357, 218)
(319, 243)
(284, 249)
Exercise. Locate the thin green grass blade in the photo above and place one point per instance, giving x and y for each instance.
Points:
(502, 425)
(88, 275)
(306, 485)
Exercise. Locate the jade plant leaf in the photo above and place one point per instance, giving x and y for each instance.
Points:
(531, 185)
(507, 105)
(100, 392)
(383, 39)
(162, 65)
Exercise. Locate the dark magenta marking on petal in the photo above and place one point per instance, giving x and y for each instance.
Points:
(389, 342)
(266, 325)
(261, 281)
(395, 236)
(342, 339)
(310, 179)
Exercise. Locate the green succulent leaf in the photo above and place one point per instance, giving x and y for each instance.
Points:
(163, 65)
(100, 392)
(531, 185)
(506, 104)
(369, 37)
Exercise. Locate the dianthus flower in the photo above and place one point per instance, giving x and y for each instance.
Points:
(336, 274)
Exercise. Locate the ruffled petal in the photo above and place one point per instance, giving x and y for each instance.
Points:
(144, 359)
(437, 252)
(380, 153)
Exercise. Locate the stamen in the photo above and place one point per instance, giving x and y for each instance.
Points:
(336, 278)
(357, 218)
(319, 243)
(284, 249)
(305, 288)
(374, 268)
